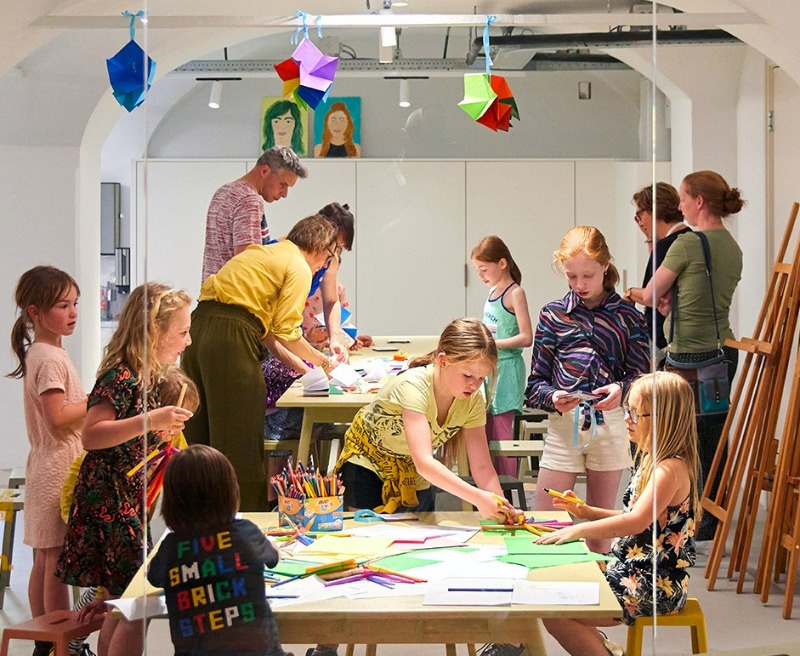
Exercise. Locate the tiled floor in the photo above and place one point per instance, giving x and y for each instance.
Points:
(738, 624)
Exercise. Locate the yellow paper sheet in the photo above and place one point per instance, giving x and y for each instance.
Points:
(348, 546)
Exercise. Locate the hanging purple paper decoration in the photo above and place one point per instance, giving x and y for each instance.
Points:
(131, 71)
(308, 74)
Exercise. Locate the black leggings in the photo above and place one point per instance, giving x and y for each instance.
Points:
(363, 487)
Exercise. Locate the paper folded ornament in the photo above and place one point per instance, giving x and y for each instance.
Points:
(499, 106)
(131, 73)
(308, 74)
(478, 94)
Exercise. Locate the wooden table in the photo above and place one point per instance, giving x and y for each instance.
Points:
(341, 408)
(404, 620)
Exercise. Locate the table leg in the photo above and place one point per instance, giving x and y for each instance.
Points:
(533, 640)
(304, 447)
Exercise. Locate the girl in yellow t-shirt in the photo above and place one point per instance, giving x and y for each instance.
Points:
(388, 458)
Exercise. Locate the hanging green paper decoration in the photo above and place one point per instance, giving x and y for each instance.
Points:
(488, 98)
(131, 71)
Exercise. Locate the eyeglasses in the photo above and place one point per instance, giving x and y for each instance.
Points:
(331, 255)
(638, 216)
(632, 413)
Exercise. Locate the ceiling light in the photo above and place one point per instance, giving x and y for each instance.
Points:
(405, 94)
(216, 94)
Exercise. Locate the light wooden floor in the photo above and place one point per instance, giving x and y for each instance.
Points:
(738, 625)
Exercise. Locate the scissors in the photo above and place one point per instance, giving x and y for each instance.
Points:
(367, 515)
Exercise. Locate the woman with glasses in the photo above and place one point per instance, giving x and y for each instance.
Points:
(668, 226)
(261, 291)
(588, 348)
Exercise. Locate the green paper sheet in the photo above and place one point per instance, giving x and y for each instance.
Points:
(289, 568)
(527, 545)
(402, 562)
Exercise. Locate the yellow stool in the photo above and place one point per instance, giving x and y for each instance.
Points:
(691, 616)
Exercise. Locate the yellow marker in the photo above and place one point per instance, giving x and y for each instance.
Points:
(561, 495)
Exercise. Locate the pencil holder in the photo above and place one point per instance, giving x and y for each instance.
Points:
(312, 513)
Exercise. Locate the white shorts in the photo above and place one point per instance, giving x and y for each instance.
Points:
(608, 449)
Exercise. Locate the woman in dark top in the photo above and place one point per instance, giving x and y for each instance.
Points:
(659, 237)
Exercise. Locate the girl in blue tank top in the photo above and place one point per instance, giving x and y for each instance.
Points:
(506, 316)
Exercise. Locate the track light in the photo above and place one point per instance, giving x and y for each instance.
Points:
(216, 94)
(405, 94)
(388, 37)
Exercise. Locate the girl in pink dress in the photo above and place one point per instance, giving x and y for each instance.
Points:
(55, 405)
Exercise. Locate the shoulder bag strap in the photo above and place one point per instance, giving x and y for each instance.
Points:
(707, 258)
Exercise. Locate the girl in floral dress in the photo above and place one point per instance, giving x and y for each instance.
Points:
(669, 476)
(105, 542)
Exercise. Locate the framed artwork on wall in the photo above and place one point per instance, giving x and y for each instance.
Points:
(284, 123)
(337, 127)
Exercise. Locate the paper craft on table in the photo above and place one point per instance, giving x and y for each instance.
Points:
(345, 375)
(315, 382)
(556, 593)
(140, 607)
(399, 533)
(469, 592)
(346, 314)
(528, 545)
(535, 561)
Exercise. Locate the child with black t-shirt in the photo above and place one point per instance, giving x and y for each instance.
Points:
(211, 565)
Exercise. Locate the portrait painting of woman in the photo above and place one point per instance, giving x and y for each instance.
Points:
(337, 128)
(283, 124)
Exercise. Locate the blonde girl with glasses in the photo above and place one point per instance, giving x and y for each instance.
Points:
(660, 411)
(105, 541)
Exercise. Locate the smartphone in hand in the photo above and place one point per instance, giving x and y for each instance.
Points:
(585, 396)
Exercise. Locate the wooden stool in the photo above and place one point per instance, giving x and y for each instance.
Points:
(691, 616)
(11, 502)
(58, 627)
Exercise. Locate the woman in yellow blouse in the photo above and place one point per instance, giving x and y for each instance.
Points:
(259, 292)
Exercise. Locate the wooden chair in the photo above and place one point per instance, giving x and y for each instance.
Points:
(691, 615)
(58, 627)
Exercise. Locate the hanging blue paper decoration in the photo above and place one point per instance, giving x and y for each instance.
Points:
(131, 71)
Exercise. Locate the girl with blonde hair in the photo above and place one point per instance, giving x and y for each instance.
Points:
(659, 411)
(105, 541)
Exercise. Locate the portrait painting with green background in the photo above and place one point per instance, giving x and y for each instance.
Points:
(284, 123)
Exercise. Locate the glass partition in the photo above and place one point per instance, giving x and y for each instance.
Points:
(425, 183)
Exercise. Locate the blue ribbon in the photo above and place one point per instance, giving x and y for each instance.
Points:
(133, 17)
(583, 408)
(304, 28)
(489, 63)
(319, 25)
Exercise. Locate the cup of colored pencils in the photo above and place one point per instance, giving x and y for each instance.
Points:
(308, 499)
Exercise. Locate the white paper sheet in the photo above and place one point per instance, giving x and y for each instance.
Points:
(141, 607)
(556, 593)
(344, 375)
(399, 532)
(485, 592)
(314, 380)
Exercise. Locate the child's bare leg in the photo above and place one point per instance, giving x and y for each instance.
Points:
(46, 592)
(578, 637)
(601, 491)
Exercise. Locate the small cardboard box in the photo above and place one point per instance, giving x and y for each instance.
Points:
(312, 513)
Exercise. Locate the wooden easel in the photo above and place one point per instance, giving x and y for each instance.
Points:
(755, 407)
(780, 549)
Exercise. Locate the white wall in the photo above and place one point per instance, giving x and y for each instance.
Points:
(38, 224)
(553, 122)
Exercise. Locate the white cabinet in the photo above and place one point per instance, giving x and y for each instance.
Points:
(410, 263)
(416, 223)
